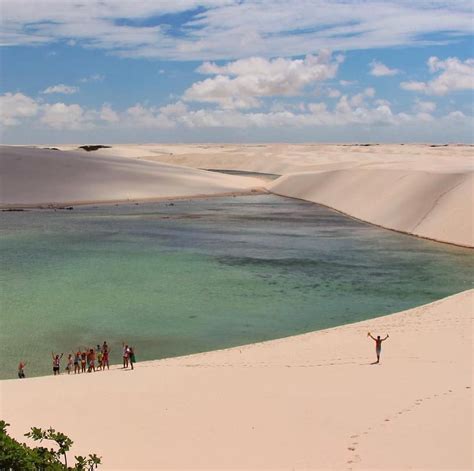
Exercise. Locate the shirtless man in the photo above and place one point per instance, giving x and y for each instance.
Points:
(77, 362)
(56, 363)
(91, 360)
(378, 344)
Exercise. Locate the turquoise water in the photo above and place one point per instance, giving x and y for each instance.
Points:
(192, 276)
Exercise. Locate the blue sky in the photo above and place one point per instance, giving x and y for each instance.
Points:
(118, 71)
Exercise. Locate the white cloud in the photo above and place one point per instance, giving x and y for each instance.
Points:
(92, 78)
(455, 75)
(61, 116)
(378, 69)
(359, 98)
(333, 93)
(424, 106)
(240, 84)
(108, 114)
(143, 117)
(15, 107)
(61, 88)
(357, 113)
(230, 29)
(347, 83)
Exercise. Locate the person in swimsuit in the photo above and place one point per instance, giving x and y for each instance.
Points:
(83, 361)
(56, 363)
(77, 362)
(69, 364)
(91, 360)
(378, 344)
(21, 369)
(131, 356)
(99, 358)
(125, 355)
(105, 355)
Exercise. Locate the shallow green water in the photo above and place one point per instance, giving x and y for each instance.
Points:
(203, 274)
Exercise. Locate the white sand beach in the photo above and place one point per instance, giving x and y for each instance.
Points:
(312, 401)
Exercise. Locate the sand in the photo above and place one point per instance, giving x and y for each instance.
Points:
(312, 401)
(433, 205)
(419, 189)
(37, 177)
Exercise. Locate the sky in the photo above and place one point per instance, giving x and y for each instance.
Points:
(131, 71)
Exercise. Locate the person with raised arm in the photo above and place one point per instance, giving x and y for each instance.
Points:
(56, 362)
(378, 344)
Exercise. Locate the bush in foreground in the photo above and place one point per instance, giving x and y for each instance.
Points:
(18, 456)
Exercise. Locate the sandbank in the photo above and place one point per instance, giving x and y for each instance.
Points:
(312, 401)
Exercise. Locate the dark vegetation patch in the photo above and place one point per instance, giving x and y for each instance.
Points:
(91, 148)
(359, 145)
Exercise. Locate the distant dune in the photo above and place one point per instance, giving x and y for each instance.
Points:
(34, 177)
(421, 189)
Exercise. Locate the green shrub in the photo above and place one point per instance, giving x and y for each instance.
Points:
(18, 456)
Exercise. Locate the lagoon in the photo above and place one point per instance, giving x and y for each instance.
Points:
(197, 275)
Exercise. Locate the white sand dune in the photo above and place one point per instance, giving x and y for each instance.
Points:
(32, 177)
(433, 205)
(419, 189)
(312, 401)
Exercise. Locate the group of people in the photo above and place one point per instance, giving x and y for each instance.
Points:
(86, 360)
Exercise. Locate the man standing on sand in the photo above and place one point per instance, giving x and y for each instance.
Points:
(378, 344)
(56, 363)
(21, 370)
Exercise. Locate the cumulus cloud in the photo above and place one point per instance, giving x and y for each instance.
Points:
(147, 117)
(108, 115)
(16, 106)
(62, 116)
(231, 29)
(360, 109)
(424, 106)
(61, 88)
(240, 84)
(377, 69)
(453, 75)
